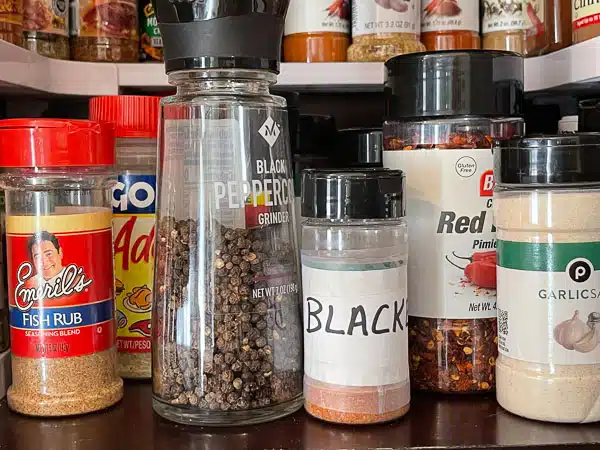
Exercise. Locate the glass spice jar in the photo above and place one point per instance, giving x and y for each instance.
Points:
(46, 27)
(226, 323)
(452, 260)
(354, 255)
(546, 211)
(134, 218)
(450, 25)
(57, 182)
(585, 20)
(384, 28)
(316, 31)
(521, 27)
(150, 38)
(104, 31)
(11, 21)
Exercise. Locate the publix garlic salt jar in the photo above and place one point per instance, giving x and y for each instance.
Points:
(354, 254)
(547, 214)
(441, 139)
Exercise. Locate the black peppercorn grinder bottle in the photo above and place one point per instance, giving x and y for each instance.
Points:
(227, 337)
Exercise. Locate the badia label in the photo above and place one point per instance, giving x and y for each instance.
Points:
(134, 221)
(452, 255)
(549, 302)
(61, 292)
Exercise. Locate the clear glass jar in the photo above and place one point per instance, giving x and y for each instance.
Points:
(354, 254)
(450, 25)
(546, 211)
(452, 283)
(58, 183)
(316, 31)
(383, 28)
(105, 31)
(227, 331)
(134, 219)
(46, 27)
(11, 21)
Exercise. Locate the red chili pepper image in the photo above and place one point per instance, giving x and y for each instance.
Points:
(142, 327)
(482, 268)
(338, 8)
(538, 25)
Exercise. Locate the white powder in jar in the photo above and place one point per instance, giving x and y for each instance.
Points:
(544, 387)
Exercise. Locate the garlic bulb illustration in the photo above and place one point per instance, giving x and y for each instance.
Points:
(588, 342)
(571, 331)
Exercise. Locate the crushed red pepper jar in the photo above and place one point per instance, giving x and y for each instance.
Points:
(452, 247)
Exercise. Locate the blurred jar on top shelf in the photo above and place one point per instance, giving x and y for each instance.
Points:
(11, 21)
(384, 28)
(317, 31)
(585, 20)
(450, 25)
(104, 30)
(46, 27)
(530, 28)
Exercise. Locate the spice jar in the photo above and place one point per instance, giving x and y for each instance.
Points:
(134, 209)
(546, 206)
(104, 30)
(46, 27)
(60, 265)
(150, 37)
(359, 147)
(450, 24)
(11, 21)
(443, 143)
(4, 343)
(517, 26)
(585, 20)
(317, 31)
(354, 255)
(384, 28)
(226, 324)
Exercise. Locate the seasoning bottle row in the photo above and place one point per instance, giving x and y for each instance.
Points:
(57, 183)
(442, 141)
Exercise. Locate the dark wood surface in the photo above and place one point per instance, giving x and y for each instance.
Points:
(433, 422)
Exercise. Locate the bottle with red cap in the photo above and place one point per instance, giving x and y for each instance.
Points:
(133, 202)
(58, 176)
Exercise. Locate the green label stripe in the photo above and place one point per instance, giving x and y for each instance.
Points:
(545, 257)
(344, 267)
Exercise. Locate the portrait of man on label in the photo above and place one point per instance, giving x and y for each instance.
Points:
(47, 258)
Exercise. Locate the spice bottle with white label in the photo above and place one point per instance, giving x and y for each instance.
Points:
(384, 28)
(442, 141)
(450, 25)
(547, 210)
(317, 31)
(354, 256)
(226, 322)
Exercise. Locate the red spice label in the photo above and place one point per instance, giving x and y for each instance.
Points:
(486, 184)
(450, 15)
(60, 282)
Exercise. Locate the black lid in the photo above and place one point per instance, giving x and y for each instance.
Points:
(353, 194)
(589, 115)
(221, 34)
(359, 147)
(454, 83)
(552, 159)
(317, 134)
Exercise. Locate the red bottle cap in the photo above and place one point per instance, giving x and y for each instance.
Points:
(135, 116)
(56, 143)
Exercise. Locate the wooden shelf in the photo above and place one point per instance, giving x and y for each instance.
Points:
(440, 422)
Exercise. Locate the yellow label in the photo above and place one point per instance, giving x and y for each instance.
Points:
(11, 11)
(133, 231)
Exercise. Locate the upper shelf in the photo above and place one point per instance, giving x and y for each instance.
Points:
(574, 69)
